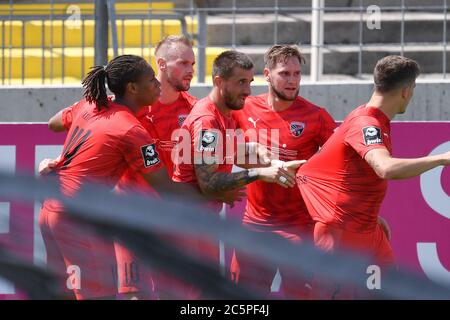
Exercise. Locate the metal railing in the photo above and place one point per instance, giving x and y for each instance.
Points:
(363, 32)
(56, 28)
(336, 39)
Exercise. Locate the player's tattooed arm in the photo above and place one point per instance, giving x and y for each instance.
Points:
(212, 182)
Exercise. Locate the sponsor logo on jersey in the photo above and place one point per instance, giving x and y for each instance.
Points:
(372, 135)
(302, 179)
(253, 121)
(181, 118)
(297, 128)
(149, 155)
(208, 140)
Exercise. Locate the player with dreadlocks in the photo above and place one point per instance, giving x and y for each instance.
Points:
(104, 139)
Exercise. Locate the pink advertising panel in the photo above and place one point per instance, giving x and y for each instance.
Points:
(417, 209)
(22, 146)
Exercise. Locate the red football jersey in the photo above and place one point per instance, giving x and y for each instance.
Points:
(161, 121)
(295, 134)
(101, 145)
(210, 134)
(337, 184)
(166, 119)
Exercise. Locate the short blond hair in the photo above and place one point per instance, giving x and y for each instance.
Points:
(165, 43)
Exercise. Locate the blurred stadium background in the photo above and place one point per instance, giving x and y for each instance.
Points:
(47, 46)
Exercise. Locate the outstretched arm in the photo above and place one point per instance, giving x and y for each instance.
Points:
(387, 167)
(213, 182)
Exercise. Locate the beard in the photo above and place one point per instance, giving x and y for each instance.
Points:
(280, 95)
(178, 84)
(233, 103)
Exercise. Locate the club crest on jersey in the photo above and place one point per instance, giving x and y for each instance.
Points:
(181, 118)
(297, 128)
(149, 155)
(372, 135)
(208, 140)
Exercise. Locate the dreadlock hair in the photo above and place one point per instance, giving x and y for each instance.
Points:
(117, 73)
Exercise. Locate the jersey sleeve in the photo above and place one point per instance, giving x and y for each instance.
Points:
(365, 134)
(327, 126)
(69, 113)
(140, 151)
(206, 138)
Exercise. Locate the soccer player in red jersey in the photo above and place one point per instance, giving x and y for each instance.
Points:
(208, 133)
(175, 60)
(344, 184)
(104, 139)
(209, 127)
(294, 128)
